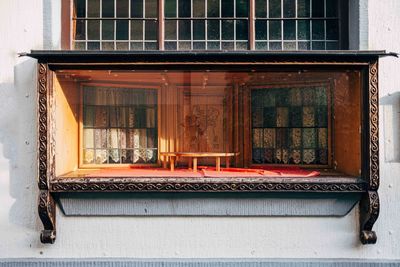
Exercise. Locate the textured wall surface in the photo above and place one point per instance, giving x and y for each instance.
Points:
(35, 24)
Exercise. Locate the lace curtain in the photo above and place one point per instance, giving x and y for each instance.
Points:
(119, 125)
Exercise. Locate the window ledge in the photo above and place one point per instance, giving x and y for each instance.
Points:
(207, 204)
(71, 183)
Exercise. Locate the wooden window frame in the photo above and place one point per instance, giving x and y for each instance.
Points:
(67, 24)
(82, 165)
(248, 123)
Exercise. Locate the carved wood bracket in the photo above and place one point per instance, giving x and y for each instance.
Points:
(369, 204)
(46, 207)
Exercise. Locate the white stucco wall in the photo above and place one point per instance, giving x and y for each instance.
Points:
(24, 26)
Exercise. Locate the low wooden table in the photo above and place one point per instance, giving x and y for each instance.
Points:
(194, 156)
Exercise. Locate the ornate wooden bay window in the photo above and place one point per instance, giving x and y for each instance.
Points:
(240, 122)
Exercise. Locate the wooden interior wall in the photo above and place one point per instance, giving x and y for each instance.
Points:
(67, 125)
(196, 119)
(347, 122)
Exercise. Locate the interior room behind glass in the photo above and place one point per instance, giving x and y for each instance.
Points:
(269, 120)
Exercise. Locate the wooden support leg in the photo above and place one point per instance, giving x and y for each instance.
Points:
(164, 161)
(47, 214)
(227, 160)
(195, 164)
(172, 163)
(218, 164)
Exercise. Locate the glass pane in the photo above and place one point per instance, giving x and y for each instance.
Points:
(107, 46)
(227, 8)
(213, 8)
(262, 45)
(108, 30)
(275, 8)
(275, 46)
(170, 46)
(332, 46)
(331, 8)
(101, 156)
(199, 8)
(275, 30)
(107, 8)
(303, 8)
(228, 30)
(137, 8)
(198, 30)
(88, 156)
(199, 45)
(242, 8)
(80, 30)
(122, 46)
(122, 8)
(289, 29)
(93, 8)
(303, 29)
(151, 30)
(122, 29)
(289, 46)
(79, 45)
(242, 45)
(170, 29)
(151, 46)
(332, 30)
(184, 9)
(136, 46)
(318, 45)
(151, 9)
(261, 30)
(289, 8)
(228, 46)
(304, 46)
(136, 30)
(318, 31)
(241, 30)
(93, 46)
(184, 45)
(213, 30)
(288, 119)
(184, 30)
(170, 8)
(261, 8)
(318, 8)
(80, 8)
(93, 29)
(213, 46)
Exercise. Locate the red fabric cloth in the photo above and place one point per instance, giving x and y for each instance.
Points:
(144, 172)
(259, 172)
(203, 171)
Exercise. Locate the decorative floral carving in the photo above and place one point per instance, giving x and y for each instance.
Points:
(43, 141)
(373, 126)
(120, 184)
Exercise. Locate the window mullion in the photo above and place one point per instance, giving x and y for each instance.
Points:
(252, 24)
(161, 25)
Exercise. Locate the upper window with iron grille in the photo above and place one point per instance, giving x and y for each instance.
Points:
(209, 25)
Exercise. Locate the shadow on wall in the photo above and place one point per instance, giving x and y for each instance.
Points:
(390, 117)
(18, 136)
